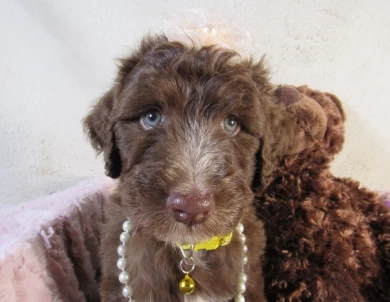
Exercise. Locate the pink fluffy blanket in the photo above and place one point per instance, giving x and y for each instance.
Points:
(49, 246)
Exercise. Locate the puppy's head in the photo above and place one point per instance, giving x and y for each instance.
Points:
(181, 128)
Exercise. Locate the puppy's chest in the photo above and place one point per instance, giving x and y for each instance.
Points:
(215, 274)
(194, 299)
(200, 299)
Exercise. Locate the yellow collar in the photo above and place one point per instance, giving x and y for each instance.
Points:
(211, 244)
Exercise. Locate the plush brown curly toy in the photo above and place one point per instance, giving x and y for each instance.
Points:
(328, 238)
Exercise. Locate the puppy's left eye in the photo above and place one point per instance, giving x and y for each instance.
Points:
(230, 125)
(151, 119)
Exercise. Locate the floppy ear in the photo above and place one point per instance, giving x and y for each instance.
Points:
(100, 123)
(278, 128)
(99, 126)
(278, 139)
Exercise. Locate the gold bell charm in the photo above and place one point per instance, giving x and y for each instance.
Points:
(187, 285)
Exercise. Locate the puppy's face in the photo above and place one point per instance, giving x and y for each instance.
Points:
(181, 128)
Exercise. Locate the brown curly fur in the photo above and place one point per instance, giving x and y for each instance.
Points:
(195, 89)
(328, 239)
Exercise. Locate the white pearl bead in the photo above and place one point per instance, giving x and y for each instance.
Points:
(239, 298)
(124, 277)
(241, 287)
(242, 238)
(244, 260)
(127, 291)
(121, 250)
(240, 228)
(242, 278)
(124, 237)
(121, 263)
(127, 226)
(244, 249)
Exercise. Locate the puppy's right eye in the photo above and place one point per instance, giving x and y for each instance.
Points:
(230, 125)
(151, 119)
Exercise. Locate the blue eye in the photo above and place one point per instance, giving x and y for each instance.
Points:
(230, 125)
(151, 119)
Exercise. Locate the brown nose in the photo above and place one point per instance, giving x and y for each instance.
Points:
(190, 208)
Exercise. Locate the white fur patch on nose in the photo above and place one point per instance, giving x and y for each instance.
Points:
(198, 158)
(202, 156)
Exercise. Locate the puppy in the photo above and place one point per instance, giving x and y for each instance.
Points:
(189, 133)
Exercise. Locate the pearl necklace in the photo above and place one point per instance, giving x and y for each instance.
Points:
(124, 276)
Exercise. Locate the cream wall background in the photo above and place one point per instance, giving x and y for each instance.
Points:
(56, 57)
